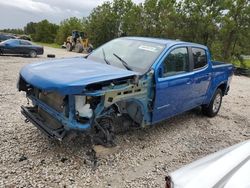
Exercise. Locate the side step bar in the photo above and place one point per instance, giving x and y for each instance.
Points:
(29, 113)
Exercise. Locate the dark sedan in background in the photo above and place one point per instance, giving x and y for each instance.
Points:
(4, 37)
(20, 47)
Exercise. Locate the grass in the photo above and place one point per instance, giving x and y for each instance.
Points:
(244, 64)
(53, 45)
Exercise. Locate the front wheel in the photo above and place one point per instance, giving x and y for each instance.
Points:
(33, 53)
(104, 132)
(79, 48)
(69, 47)
(89, 50)
(213, 108)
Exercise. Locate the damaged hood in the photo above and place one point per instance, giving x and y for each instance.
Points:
(228, 168)
(71, 75)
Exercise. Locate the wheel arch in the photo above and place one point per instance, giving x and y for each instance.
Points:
(135, 108)
(33, 49)
(223, 87)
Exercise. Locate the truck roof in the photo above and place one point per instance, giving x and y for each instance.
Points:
(167, 42)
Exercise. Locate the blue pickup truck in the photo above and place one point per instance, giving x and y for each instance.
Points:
(129, 81)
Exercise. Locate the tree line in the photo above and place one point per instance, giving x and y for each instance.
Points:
(224, 26)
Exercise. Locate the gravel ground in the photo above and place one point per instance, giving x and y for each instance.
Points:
(142, 157)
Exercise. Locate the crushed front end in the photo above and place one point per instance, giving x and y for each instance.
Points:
(82, 96)
(55, 114)
(101, 109)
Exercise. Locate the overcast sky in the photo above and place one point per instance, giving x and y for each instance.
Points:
(16, 13)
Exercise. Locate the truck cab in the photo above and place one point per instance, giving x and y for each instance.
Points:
(129, 81)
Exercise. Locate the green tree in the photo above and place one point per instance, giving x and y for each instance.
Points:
(13, 31)
(30, 28)
(235, 29)
(224, 26)
(107, 21)
(200, 20)
(120, 8)
(133, 21)
(161, 18)
(45, 32)
(101, 24)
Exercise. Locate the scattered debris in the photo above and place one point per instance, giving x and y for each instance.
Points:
(64, 159)
(22, 158)
(51, 55)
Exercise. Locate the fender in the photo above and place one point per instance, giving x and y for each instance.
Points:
(212, 90)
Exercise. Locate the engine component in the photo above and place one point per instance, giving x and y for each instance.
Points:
(83, 109)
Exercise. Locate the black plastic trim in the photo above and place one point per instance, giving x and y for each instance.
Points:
(51, 133)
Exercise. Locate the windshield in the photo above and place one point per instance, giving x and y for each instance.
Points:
(127, 53)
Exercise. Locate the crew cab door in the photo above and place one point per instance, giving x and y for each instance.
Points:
(201, 74)
(173, 90)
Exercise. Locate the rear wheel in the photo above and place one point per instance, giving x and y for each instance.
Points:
(213, 108)
(33, 53)
(69, 47)
(79, 48)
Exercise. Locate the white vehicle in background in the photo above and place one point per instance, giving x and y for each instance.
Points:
(228, 168)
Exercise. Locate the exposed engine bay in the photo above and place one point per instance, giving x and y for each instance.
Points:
(102, 110)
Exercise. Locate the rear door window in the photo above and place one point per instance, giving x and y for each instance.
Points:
(24, 42)
(199, 57)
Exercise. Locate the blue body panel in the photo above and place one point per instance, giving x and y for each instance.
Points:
(169, 100)
(179, 93)
(221, 74)
(70, 76)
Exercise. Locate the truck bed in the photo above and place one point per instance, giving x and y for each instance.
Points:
(220, 64)
(222, 68)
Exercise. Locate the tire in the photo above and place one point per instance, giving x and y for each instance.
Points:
(213, 108)
(79, 48)
(51, 55)
(69, 47)
(32, 54)
(104, 133)
(90, 49)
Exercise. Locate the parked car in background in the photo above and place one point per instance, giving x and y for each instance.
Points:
(4, 37)
(228, 168)
(20, 47)
(138, 81)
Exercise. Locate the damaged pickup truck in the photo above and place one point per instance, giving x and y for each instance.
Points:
(130, 81)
